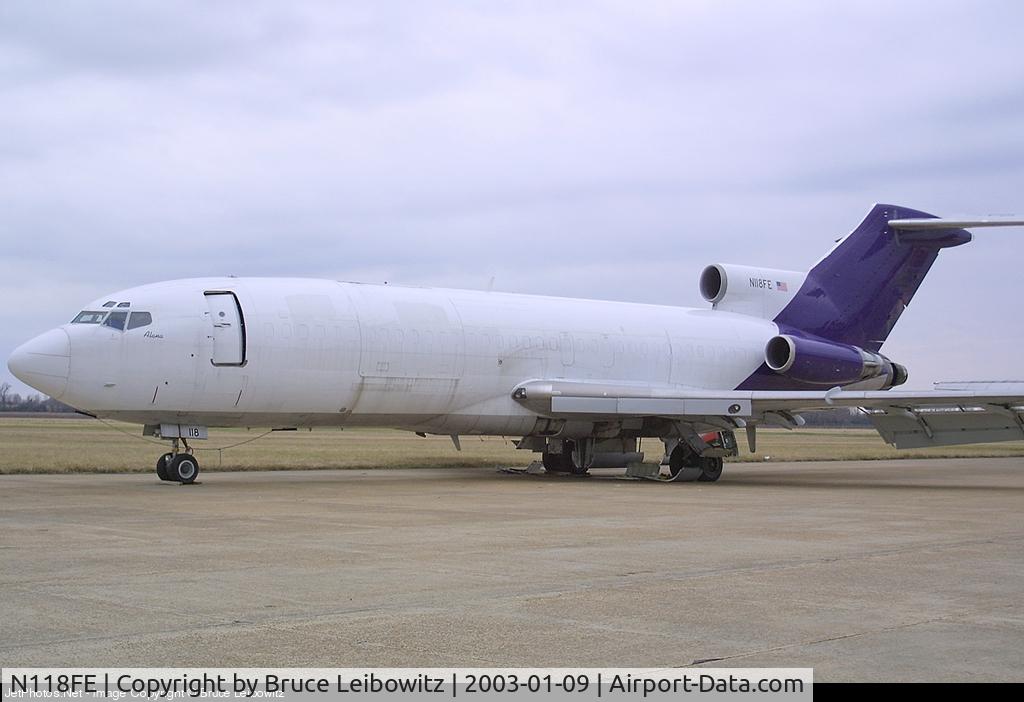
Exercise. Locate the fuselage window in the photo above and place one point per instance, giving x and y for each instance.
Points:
(139, 319)
(89, 318)
(116, 320)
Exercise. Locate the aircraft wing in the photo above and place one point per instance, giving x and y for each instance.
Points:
(954, 413)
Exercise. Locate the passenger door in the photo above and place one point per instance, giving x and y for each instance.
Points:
(228, 329)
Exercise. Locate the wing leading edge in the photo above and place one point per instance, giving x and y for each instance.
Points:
(943, 417)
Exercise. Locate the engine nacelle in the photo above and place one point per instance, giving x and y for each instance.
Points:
(760, 292)
(821, 362)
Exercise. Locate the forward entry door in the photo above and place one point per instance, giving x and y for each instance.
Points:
(228, 329)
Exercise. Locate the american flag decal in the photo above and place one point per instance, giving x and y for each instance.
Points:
(779, 285)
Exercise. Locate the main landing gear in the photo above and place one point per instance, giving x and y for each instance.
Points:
(178, 467)
(685, 465)
(700, 460)
(571, 459)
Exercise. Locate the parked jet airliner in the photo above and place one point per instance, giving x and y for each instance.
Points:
(581, 381)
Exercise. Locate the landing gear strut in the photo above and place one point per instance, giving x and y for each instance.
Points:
(178, 467)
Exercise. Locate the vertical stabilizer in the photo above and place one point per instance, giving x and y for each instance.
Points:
(856, 293)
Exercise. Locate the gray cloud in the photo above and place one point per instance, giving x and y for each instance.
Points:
(588, 149)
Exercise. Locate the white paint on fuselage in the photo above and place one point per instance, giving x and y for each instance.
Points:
(321, 352)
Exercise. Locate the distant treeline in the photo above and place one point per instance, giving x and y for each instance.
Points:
(14, 402)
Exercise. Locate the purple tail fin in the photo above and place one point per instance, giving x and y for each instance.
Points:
(857, 292)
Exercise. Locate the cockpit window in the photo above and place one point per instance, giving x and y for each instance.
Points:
(139, 319)
(124, 304)
(109, 303)
(89, 317)
(116, 320)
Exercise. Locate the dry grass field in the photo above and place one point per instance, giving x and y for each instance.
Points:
(52, 445)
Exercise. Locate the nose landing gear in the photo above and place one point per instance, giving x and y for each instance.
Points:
(178, 467)
(161, 466)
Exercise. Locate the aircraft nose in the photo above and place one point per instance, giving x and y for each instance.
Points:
(43, 362)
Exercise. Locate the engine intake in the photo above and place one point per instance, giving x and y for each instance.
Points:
(821, 362)
(761, 292)
(713, 283)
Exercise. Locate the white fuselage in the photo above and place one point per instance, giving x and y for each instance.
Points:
(321, 353)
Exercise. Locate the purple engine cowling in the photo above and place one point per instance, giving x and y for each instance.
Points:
(820, 362)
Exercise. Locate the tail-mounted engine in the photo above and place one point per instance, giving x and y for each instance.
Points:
(821, 362)
(759, 292)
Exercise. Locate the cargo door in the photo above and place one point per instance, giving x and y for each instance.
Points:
(409, 336)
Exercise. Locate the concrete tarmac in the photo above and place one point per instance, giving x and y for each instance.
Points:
(881, 570)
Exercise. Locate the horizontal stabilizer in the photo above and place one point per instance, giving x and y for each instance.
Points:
(919, 224)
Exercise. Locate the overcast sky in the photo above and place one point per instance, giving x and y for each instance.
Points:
(595, 149)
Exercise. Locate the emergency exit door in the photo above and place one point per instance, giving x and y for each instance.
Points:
(228, 329)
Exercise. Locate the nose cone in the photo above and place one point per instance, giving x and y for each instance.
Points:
(43, 362)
